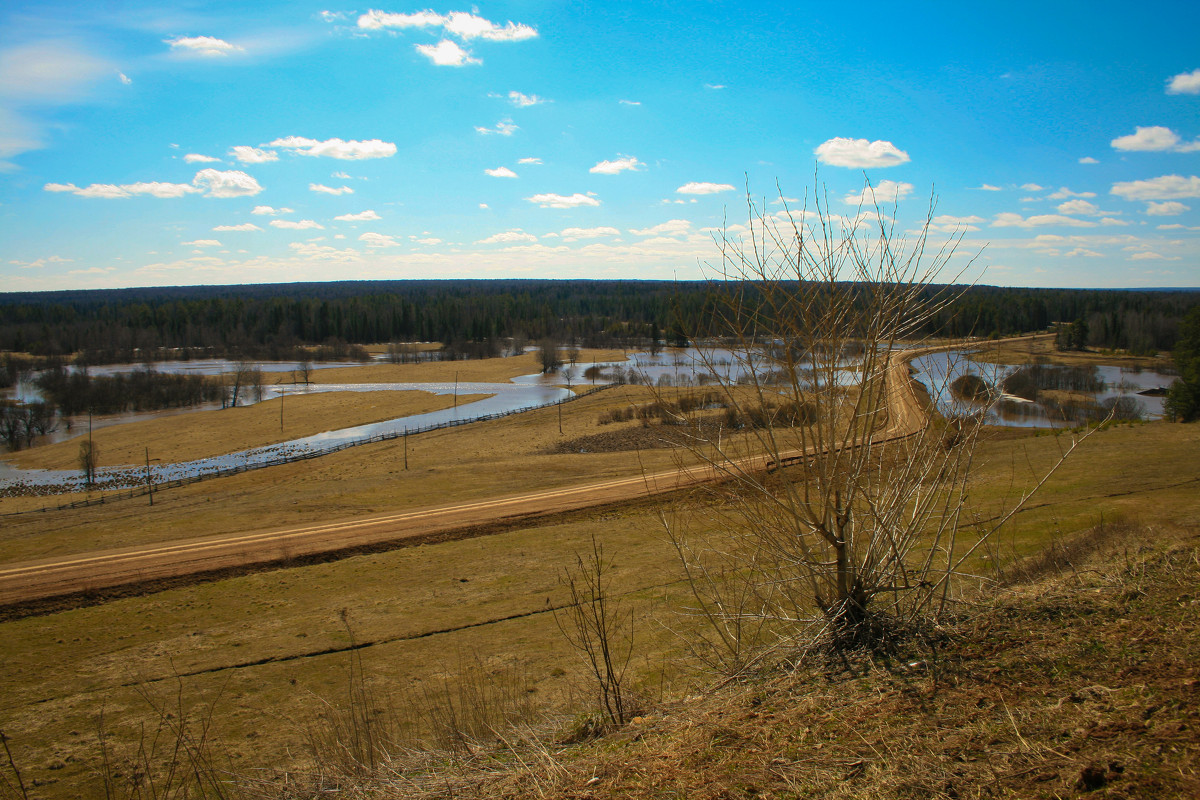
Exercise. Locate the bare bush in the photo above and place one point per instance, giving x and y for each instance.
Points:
(841, 520)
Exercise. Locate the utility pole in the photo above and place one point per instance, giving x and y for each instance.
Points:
(455, 390)
(406, 448)
(149, 483)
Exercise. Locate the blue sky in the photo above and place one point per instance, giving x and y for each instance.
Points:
(166, 143)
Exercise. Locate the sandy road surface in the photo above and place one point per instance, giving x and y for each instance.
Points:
(46, 578)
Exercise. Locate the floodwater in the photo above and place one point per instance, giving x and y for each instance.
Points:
(689, 366)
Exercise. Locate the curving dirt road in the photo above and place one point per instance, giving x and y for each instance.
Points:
(31, 581)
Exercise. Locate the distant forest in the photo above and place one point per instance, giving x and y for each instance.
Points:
(472, 316)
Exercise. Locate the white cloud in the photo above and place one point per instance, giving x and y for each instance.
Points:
(301, 225)
(1082, 207)
(883, 192)
(1148, 256)
(714, 86)
(323, 189)
(202, 243)
(245, 226)
(948, 223)
(1011, 220)
(111, 191)
(1166, 209)
(842, 152)
(1063, 193)
(673, 227)
(123, 78)
(1083, 251)
(206, 46)
(342, 176)
(620, 164)
(1184, 83)
(987, 187)
(573, 234)
(336, 148)
(428, 241)
(514, 236)
(1155, 138)
(377, 20)
(704, 188)
(1088, 160)
(196, 158)
(252, 155)
(529, 161)
(1032, 187)
(1166, 187)
(323, 252)
(525, 100)
(501, 172)
(362, 216)
(630, 102)
(271, 211)
(230, 183)
(378, 240)
(447, 54)
(550, 200)
(504, 127)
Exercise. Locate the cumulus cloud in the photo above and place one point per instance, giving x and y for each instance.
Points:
(621, 164)
(704, 188)
(252, 155)
(987, 187)
(197, 158)
(271, 211)
(1032, 187)
(293, 225)
(1082, 207)
(673, 227)
(1063, 193)
(362, 216)
(1011, 220)
(529, 161)
(205, 46)
(323, 189)
(883, 192)
(1184, 83)
(230, 183)
(514, 236)
(501, 172)
(336, 148)
(574, 234)
(1166, 209)
(323, 252)
(202, 243)
(378, 240)
(550, 200)
(1166, 187)
(245, 226)
(464, 25)
(525, 100)
(842, 152)
(1088, 160)
(504, 127)
(111, 191)
(949, 223)
(447, 54)
(1155, 138)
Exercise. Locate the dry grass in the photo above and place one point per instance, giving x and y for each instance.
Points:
(200, 434)
(1025, 349)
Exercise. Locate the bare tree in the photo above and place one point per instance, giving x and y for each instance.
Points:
(596, 624)
(842, 509)
(89, 454)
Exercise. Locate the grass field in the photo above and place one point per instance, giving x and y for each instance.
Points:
(266, 652)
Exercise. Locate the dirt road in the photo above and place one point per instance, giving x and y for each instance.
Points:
(29, 581)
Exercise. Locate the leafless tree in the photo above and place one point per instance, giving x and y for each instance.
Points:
(598, 626)
(841, 512)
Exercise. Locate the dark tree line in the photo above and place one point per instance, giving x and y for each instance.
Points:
(476, 317)
(76, 392)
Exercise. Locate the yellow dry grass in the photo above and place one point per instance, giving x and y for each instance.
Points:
(488, 370)
(200, 434)
(1025, 349)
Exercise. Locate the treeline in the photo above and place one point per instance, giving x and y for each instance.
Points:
(76, 392)
(474, 317)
